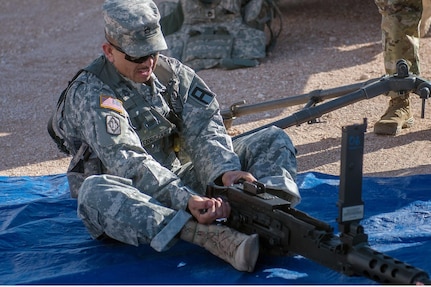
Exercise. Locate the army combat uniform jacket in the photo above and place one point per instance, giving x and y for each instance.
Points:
(156, 145)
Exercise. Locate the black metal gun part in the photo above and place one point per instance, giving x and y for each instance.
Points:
(284, 230)
(401, 82)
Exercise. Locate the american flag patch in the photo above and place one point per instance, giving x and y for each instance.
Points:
(111, 103)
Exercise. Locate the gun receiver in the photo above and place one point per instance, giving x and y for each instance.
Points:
(284, 230)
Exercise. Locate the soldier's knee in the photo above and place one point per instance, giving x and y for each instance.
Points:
(280, 137)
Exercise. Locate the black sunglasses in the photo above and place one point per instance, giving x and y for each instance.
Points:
(135, 60)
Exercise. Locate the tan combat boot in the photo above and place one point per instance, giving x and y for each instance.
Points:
(397, 116)
(238, 249)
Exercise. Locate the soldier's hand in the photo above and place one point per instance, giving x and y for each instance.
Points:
(231, 177)
(207, 210)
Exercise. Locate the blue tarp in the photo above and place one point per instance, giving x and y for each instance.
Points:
(43, 242)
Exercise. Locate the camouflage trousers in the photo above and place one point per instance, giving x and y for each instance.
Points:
(400, 32)
(110, 205)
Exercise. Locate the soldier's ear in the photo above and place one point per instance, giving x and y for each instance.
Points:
(107, 50)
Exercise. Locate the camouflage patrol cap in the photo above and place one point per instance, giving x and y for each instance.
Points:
(133, 25)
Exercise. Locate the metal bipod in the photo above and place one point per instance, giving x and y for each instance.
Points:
(401, 82)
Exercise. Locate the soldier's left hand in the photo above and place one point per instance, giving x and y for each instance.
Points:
(233, 176)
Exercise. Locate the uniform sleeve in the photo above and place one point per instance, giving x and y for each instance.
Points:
(95, 116)
(205, 136)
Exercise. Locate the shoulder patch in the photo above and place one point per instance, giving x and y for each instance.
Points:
(203, 96)
(111, 103)
(113, 126)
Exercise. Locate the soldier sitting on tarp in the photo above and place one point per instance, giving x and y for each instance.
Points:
(147, 137)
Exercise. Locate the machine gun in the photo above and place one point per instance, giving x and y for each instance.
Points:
(284, 230)
(402, 81)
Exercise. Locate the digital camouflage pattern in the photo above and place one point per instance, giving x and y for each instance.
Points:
(400, 32)
(227, 33)
(134, 26)
(140, 198)
(133, 179)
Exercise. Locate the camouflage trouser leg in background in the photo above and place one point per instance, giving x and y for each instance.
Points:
(400, 39)
(111, 205)
(400, 32)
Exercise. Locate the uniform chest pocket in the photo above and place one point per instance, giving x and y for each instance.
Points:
(150, 125)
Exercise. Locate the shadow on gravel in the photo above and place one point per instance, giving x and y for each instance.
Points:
(328, 151)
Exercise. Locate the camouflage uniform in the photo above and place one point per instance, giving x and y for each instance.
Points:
(425, 19)
(141, 195)
(216, 33)
(400, 32)
(400, 39)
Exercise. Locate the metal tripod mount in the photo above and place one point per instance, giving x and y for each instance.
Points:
(402, 82)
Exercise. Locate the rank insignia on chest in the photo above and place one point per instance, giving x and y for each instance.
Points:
(111, 103)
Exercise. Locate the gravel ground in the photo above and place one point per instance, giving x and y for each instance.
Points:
(324, 44)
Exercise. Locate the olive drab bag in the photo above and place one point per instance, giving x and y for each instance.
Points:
(226, 33)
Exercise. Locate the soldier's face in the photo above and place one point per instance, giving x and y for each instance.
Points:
(130, 67)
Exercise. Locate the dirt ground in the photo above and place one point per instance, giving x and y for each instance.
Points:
(324, 44)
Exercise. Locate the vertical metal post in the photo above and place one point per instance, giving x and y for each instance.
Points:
(350, 204)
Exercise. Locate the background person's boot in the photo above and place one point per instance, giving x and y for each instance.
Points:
(238, 249)
(397, 116)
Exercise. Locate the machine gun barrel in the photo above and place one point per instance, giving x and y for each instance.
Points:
(383, 268)
(284, 230)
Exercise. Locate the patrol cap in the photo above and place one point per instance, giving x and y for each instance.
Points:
(133, 25)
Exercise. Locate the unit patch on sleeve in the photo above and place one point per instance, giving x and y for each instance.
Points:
(113, 126)
(111, 103)
(203, 96)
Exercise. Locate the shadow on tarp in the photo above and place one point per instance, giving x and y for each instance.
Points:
(43, 242)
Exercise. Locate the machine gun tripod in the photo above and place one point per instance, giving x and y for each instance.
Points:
(402, 81)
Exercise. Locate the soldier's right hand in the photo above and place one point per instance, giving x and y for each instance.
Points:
(207, 210)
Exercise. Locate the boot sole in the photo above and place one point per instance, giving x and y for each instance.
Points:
(247, 254)
(392, 128)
